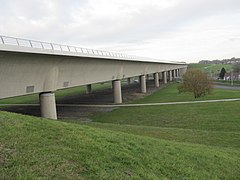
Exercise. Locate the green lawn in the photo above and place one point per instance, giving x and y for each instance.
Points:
(35, 148)
(190, 141)
(170, 94)
(214, 68)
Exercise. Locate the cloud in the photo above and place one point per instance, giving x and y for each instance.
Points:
(169, 29)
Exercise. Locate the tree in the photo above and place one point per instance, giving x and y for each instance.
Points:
(222, 73)
(236, 68)
(197, 82)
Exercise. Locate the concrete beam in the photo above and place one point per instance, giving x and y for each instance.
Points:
(143, 84)
(117, 91)
(88, 89)
(156, 79)
(48, 105)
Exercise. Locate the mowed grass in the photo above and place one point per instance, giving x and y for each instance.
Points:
(211, 124)
(190, 141)
(170, 94)
(35, 148)
(208, 123)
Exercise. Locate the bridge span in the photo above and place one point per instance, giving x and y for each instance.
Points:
(28, 67)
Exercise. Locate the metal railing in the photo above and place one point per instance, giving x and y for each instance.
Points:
(7, 40)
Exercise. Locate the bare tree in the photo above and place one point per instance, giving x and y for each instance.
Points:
(197, 82)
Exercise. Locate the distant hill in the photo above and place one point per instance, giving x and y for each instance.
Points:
(224, 61)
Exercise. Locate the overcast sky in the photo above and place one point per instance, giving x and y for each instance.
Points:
(182, 30)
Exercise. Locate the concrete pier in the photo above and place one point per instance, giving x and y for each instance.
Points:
(88, 89)
(117, 91)
(156, 79)
(164, 77)
(143, 84)
(170, 76)
(174, 74)
(48, 105)
(129, 81)
(177, 73)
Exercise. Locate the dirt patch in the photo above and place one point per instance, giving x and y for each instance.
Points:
(129, 93)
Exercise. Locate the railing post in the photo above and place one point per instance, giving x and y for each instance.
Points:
(42, 45)
(30, 43)
(17, 41)
(2, 39)
(51, 46)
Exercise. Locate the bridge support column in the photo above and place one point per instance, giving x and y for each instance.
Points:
(177, 73)
(143, 84)
(156, 79)
(160, 76)
(117, 91)
(48, 105)
(174, 74)
(88, 89)
(164, 77)
(170, 76)
(129, 81)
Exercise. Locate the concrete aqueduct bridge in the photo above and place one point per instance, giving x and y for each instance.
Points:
(28, 67)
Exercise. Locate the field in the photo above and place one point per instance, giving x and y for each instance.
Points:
(212, 68)
(191, 141)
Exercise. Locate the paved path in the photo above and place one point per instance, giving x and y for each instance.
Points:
(227, 87)
(130, 105)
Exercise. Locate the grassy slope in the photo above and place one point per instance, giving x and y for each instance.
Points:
(170, 94)
(32, 147)
(168, 145)
(213, 124)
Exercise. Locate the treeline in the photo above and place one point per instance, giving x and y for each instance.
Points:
(224, 61)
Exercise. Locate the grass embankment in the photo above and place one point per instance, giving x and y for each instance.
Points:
(33, 148)
(212, 124)
(191, 141)
(170, 94)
